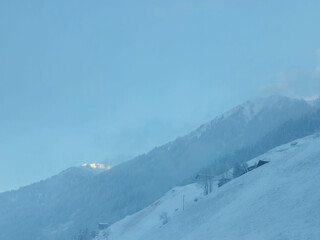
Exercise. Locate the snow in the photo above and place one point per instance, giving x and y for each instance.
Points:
(247, 111)
(278, 200)
(81, 197)
(313, 100)
(86, 169)
(96, 168)
(171, 204)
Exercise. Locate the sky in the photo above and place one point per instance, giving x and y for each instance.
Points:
(103, 81)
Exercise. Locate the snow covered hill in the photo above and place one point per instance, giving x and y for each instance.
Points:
(279, 200)
(156, 215)
(58, 211)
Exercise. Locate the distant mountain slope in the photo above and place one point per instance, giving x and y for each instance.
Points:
(276, 201)
(286, 132)
(45, 202)
(315, 102)
(133, 185)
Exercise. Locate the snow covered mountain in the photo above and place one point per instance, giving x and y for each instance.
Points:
(58, 209)
(40, 202)
(276, 201)
(315, 101)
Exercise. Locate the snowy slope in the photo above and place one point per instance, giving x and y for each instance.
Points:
(279, 200)
(157, 214)
(72, 205)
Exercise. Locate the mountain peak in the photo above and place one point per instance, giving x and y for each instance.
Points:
(247, 111)
(252, 107)
(313, 101)
(87, 169)
(96, 166)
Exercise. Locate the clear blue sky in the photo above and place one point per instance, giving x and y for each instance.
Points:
(90, 81)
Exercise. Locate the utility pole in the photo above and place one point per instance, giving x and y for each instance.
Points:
(183, 202)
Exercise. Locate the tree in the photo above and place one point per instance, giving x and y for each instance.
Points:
(206, 181)
(83, 235)
(239, 169)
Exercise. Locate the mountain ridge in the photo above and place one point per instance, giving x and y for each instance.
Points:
(113, 194)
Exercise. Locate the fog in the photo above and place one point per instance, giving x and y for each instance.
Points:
(106, 81)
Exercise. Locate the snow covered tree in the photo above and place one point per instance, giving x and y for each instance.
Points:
(239, 169)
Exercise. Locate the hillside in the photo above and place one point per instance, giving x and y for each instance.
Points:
(278, 200)
(129, 187)
(40, 201)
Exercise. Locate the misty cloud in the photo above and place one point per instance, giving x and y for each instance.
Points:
(295, 82)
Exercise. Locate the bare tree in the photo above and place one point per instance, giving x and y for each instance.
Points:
(239, 169)
(206, 181)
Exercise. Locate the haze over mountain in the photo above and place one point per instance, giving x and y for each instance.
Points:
(75, 199)
(94, 81)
